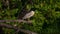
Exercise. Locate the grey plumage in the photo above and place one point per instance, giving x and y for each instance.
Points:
(22, 13)
(28, 15)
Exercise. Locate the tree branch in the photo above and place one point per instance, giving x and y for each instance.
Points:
(16, 21)
(16, 28)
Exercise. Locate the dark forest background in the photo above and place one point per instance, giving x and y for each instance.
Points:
(45, 21)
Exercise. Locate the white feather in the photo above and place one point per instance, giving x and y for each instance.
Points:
(28, 15)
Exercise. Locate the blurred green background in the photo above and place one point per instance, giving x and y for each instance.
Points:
(45, 21)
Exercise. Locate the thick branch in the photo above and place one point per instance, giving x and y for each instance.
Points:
(16, 21)
(16, 28)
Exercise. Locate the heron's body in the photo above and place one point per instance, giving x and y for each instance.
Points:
(28, 15)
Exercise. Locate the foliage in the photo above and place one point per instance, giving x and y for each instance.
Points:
(45, 21)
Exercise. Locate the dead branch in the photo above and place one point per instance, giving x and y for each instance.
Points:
(16, 28)
(25, 31)
(7, 26)
(28, 22)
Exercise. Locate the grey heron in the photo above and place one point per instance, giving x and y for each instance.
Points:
(25, 14)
